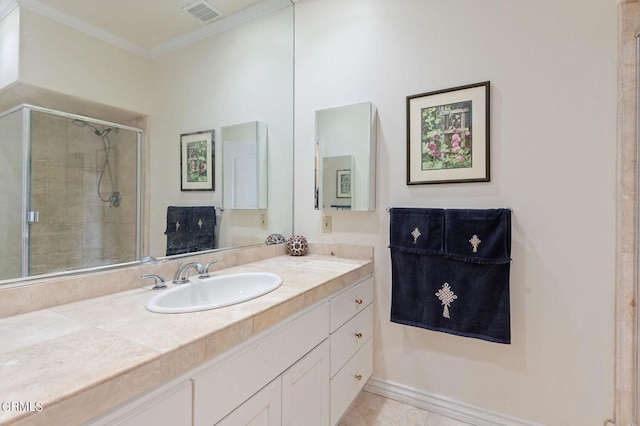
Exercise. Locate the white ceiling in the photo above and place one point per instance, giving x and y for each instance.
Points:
(146, 26)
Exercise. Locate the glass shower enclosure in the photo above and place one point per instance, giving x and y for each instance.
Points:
(70, 192)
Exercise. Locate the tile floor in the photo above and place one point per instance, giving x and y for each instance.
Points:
(374, 410)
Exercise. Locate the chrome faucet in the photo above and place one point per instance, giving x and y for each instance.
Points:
(205, 269)
(182, 274)
(158, 281)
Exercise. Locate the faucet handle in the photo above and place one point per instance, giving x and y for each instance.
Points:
(158, 281)
(205, 269)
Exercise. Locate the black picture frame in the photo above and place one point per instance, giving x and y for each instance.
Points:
(343, 183)
(448, 135)
(197, 161)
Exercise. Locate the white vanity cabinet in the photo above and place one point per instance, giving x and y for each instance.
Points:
(351, 330)
(226, 382)
(300, 396)
(307, 370)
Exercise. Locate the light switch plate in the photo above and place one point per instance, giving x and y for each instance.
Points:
(326, 224)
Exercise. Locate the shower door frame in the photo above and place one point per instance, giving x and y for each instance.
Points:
(636, 289)
(26, 176)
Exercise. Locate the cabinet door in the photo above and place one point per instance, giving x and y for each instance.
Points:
(305, 389)
(262, 409)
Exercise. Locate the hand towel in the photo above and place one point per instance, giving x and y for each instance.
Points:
(479, 236)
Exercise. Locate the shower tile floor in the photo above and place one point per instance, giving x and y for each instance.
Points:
(374, 410)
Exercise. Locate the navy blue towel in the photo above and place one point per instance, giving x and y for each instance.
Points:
(479, 236)
(190, 229)
(455, 278)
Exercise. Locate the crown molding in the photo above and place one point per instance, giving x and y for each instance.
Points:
(80, 25)
(223, 24)
(6, 7)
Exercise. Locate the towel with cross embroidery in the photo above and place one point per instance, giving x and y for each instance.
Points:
(190, 229)
(450, 271)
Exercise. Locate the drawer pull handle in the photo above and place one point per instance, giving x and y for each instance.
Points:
(358, 377)
(359, 335)
(359, 301)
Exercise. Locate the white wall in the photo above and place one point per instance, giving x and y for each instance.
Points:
(552, 67)
(241, 75)
(9, 47)
(59, 58)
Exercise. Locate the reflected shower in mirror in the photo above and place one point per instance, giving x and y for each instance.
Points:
(346, 157)
(113, 197)
(75, 193)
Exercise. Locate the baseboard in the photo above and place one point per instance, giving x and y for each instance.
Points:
(442, 405)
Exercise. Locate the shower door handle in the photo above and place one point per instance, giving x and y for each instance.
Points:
(33, 217)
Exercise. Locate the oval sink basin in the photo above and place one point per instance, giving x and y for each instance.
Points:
(214, 292)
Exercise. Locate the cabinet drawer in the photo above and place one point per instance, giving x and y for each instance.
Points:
(223, 386)
(350, 380)
(348, 304)
(346, 340)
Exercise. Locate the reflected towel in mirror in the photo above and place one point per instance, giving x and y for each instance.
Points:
(190, 229)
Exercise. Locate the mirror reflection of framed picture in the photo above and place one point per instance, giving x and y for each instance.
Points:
(343, 183)
(197, 161)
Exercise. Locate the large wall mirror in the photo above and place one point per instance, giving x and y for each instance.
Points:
(346, 158)
(237, 70)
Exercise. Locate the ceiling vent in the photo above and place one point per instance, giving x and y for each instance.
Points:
(202, 10)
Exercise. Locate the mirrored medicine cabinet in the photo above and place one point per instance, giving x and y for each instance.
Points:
(244, 166)
(345, 158)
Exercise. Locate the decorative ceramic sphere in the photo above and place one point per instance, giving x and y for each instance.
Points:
(275, 239)
(297, 245)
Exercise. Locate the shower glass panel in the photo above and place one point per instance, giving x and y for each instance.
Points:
(81, 189)
(12, 199)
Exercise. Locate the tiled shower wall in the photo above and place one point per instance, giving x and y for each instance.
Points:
(627, 214)
(76, 229)
(11, 195)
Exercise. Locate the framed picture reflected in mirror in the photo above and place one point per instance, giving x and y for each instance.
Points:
(197, 161)
(343, 183)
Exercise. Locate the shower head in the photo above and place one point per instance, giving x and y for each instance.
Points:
(82, 123)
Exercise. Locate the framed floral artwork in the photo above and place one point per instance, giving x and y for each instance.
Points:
(197, 161)
(448, 135)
